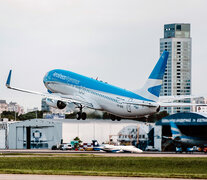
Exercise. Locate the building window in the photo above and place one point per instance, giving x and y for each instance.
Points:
(178, 27)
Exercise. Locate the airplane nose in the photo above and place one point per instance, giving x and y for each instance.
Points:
(45, 79)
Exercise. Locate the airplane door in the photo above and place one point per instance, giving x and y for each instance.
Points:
(129, 108)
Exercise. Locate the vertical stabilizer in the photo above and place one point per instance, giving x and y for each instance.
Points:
(151, 89)
(175, 131)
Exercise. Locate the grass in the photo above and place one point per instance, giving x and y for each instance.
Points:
(107, 166)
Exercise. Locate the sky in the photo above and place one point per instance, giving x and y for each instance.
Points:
(114, 40)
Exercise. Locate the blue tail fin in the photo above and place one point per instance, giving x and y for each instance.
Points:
(175, 131)
(152, 87)
(159, 69)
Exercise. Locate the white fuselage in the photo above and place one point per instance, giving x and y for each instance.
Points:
(114, 104)
(112, 148)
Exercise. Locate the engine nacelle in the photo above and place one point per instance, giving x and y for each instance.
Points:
(56, 103)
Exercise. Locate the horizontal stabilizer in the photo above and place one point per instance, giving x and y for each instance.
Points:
(177, 97)
(163, 104)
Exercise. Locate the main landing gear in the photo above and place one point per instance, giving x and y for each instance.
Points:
(113, 117)
(80, 114)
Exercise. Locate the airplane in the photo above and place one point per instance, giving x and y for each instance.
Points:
(118, 149)
(182, 139)
(68, 88)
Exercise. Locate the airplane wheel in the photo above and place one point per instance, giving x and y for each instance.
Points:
(78, 116)
(84, 116)
(118, 119)
(113, 117)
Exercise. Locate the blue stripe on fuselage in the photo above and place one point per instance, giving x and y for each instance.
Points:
(68, 77)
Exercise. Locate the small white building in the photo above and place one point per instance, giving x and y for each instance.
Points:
(30, 134)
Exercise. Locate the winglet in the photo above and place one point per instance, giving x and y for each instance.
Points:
(9, 79)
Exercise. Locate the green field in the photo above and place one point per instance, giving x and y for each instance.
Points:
(107, 166)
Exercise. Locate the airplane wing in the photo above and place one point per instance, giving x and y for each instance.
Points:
(56, 96)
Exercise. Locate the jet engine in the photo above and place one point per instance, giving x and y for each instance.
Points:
(56, 103)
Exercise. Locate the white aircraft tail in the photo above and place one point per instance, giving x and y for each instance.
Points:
(151, 89)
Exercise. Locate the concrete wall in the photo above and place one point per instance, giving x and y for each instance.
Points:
(158, 137)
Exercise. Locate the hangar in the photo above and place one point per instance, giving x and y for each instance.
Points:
(189, 123)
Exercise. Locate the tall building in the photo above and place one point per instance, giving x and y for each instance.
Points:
(177, 78)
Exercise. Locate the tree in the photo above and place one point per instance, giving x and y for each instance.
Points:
(30, 115)
(8, 114)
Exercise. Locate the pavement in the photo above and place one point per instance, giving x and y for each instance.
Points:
(65, 177)
(144, 154)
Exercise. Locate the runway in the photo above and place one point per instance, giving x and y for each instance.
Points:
(98, 153)
(64, 177)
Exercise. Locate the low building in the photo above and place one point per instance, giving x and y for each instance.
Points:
(44, 133)
(3, 106)
(12, 106)
(30, 134)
